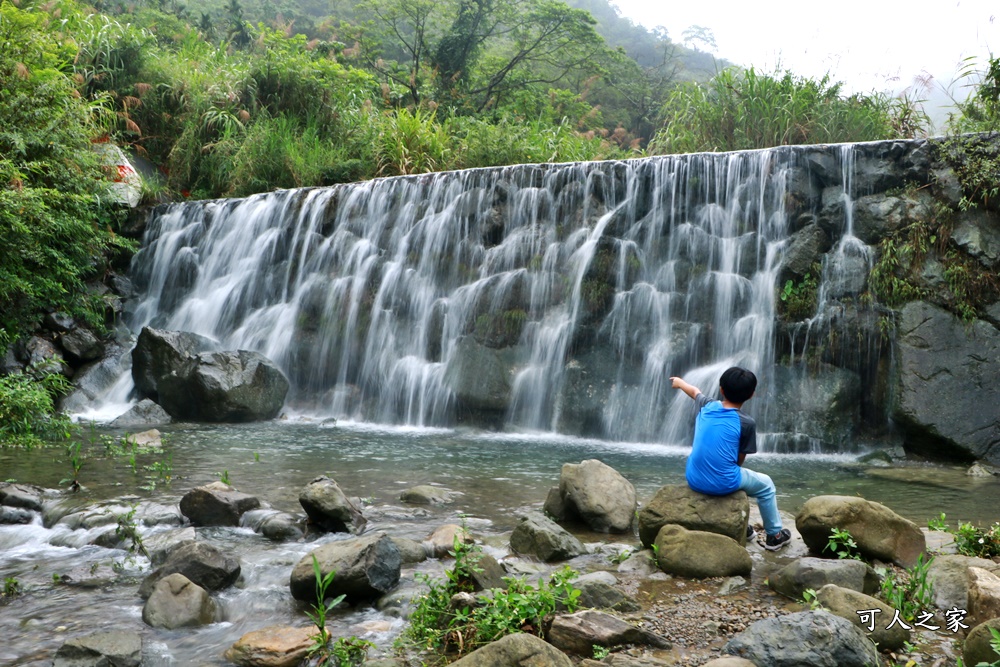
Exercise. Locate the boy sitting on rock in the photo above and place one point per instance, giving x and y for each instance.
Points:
(723, 436)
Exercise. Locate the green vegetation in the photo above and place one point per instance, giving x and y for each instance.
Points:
(970, 540)
(127, 531)
(842, 544)
(437, 623)
(744, 109)
(27, 409)
(798, 299)
(908, 591)
(11, 587)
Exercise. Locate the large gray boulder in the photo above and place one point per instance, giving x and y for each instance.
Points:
(698, 555)
(537, 535)
(824, 404)
(941, 356)
(203, 564)
(158, 354)
(329, 508)
(804, 639)
(977, 232)
(948, 575)
(847, 603)
(116, 648)
(978, 647)
(144, 413)
(578, 633)
(81, 344)
(366, 568)
(216, 504)
(814, 573)
(176, 602)
(240, 386)
(517, 650)
(678, 504)
(805, 249)
(481, 378)
(25, 496)
(596, 494)
(879, 532)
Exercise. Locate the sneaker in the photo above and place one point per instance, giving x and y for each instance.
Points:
(775, 542)
(750, 532)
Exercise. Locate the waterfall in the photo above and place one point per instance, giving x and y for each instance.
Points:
(535, 297)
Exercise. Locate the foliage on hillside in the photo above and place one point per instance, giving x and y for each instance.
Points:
(56, 225)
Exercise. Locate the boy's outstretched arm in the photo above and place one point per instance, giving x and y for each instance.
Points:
(689, 389)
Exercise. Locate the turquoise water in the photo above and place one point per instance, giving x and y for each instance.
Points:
(497, 475)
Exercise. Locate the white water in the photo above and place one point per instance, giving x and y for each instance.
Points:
(361, 293)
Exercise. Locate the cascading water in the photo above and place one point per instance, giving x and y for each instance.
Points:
(555, 297)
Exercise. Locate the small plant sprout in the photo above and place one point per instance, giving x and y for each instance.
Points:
(321, 640)
(842, 544)
(11, 587)
(601, 652)
(224, 477)
(256, 457)
(938, 523)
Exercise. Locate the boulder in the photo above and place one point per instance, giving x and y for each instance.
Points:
(216, 504)
(480, 377)
(42, 357)
(441, 542)
(410, 551)
(176, 602)
(328, 507)
(698, 554)
(487, 573)
(984, 596)
(14, 515)
(539, 536)
(143, 413)
(804, 639)
(517, 650)
(977, 647)
(273, 646)
(879, 532)
(116, 648)
(366, 567)
(603, 595)
(729, 662)
(25, 496)
(847, 603)
(940, 355)
(158, 354)
(578, 633)
(240, 386)
(805, 248)
(280, 526)
(824, 404)
(598, 495)
(679, 505)
(200, 563)
(81, 344)
(426, 495)
(977, 232)
(805, 573)
(948, 575)
(159, 545)
(93, 380)
(59, 322)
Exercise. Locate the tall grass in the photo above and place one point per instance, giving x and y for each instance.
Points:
(743, 109)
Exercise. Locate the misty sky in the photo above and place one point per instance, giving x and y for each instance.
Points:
(870, 44)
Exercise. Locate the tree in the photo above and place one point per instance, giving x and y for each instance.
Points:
(239, 33)
(696, 34)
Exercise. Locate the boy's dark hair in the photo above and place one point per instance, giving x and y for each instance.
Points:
(738, 384)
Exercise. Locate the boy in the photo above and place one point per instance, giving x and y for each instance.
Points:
(723, 436)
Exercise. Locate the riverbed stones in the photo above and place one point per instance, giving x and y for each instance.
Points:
(273, 646)
(804, 639)
(984, 596)
(410, 551)
(940, 355)
(698, 554)
(329, 508)
(366, 568)
(117, 648)
(516, 650)
(537, 535)
(81, 344)
(578, 633)
(879, 532)
(847, 603)
(678, 504)
(598, 495)
(805, 573)
(948, 575)
(177, 602)
(25, 496)
(426, 494)
(143, 413)
(216, 504)
(199, 562)
(14, 515)
(441, 542)
(598, 594)
(977, 647)
(159, 545)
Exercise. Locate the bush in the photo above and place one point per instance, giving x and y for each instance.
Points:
(27, 408)
(437, 623)
(742, 109)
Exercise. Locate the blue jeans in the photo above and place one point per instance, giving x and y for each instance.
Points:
(758, 485)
